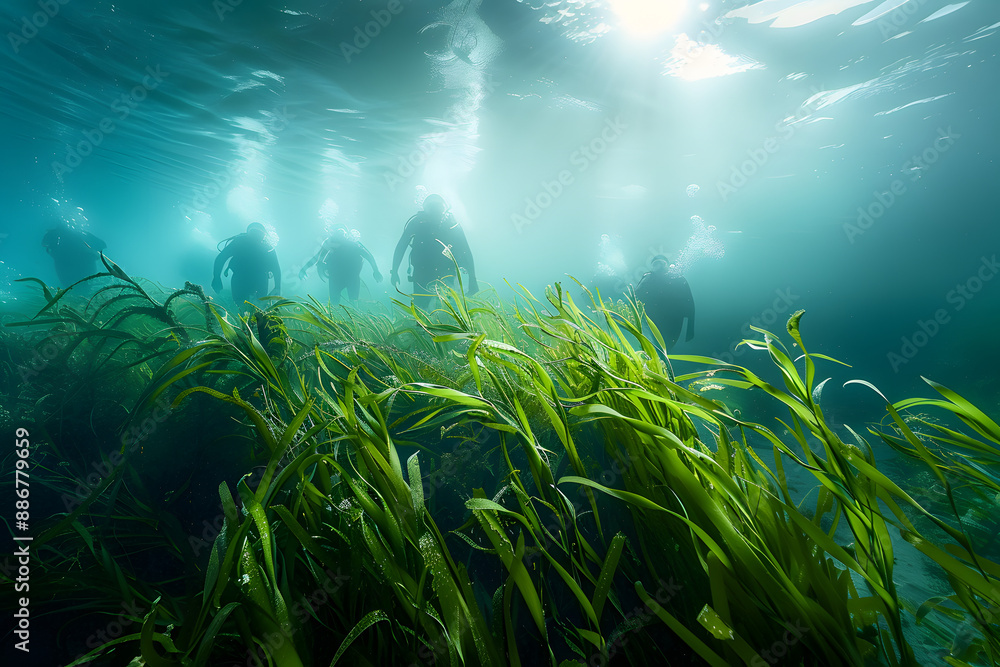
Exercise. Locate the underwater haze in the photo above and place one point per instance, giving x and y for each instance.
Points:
(271, 112)
(832, 156)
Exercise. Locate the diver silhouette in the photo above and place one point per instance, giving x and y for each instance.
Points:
(340, 260)
(427, 234)
(252, 260)
(668, 301)
(74, 251)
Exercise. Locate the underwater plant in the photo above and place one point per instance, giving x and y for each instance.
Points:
(494, 484)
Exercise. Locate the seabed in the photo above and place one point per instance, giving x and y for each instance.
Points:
(487, 483)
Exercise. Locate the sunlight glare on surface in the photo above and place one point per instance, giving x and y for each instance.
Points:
(648, 18)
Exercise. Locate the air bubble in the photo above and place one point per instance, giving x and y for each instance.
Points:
(701, 244)
(328, 211)
(421, 194)
(611, 259)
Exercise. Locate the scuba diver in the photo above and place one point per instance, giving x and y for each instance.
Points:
(251, 259)
(667, 300)
(74, 251)
(340, 260)
(428, 234)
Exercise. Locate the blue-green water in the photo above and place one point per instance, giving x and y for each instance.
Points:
(565, 136)
(270, 111)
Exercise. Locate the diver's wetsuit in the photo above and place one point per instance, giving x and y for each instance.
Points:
(425, 235)
(74, 252)
(342, 267)
(252, 263)
(668, 301)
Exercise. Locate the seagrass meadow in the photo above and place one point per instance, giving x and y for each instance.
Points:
(491, 482)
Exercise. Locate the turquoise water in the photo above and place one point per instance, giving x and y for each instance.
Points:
(844, 153)
(270, 111)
